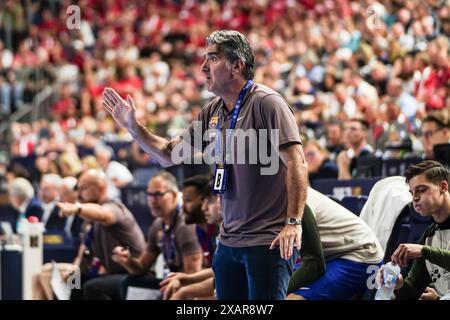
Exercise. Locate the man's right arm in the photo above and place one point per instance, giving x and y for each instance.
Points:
(134, 265)
(141, 264)
(157, 147)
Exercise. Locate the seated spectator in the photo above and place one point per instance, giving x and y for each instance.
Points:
(112, 225)
(168, 235)
(21, 197)
(319, 164)
(396, 132)
(348, 246)
(89, 162)
(68, 193)
(334, 137)
(356, 137)
(49, 196)
(435, 130)
(429, 184)
(199, 285)
(195, 190)
(118, 175)
(69, 164)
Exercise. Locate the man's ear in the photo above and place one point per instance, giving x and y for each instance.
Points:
(444, 186)
(238, 66)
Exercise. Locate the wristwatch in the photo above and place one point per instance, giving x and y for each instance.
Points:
(293, 221)
(78, 205)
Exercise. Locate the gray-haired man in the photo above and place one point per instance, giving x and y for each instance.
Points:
(260, 211)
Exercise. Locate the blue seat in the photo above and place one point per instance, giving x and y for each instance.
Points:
(117, 145)
(8, 214)
(409, 228)
(143, 175)
(397, 167)
(59, 247)
(418, 225)
(354, 203)
(344, 187)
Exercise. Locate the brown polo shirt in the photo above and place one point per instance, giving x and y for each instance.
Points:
(177, 241)
(254, 205)
(124, 232)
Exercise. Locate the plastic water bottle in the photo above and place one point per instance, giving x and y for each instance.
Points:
(390, 275)
(20, 224)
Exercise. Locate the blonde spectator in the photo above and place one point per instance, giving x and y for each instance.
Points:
(89, 162)
(69, 164)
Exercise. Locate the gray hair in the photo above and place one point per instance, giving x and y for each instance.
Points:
(169, 178)
(104, 149)
(52, 179)
(235, 46)
(21, 187)
(69, 182)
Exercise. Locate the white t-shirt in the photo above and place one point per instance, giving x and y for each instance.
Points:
(116, 170)
(342, 233)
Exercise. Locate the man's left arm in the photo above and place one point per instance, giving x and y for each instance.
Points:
(296, 187)
(437, 256)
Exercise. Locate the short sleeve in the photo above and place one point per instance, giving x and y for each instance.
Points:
(187, 240)
(277, 114)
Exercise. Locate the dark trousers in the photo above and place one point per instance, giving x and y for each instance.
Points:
(251, 273)
(114, 287)
(106, 287)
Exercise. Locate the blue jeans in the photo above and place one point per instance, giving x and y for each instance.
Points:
(251, 273)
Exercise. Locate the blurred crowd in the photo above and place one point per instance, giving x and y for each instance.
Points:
(361, 76)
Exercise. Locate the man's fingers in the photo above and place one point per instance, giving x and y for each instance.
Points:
(164, 282)
(107, 107)
(273, 244)
(167, 293)
(110, 96)
(131, 102)
(109, 101)
(291, 247)
(298, 242)
(115, 96)
(394, 256)
(402, 256)
(282, 247)
(379, 278)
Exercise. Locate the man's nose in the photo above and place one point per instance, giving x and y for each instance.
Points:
(204, 66)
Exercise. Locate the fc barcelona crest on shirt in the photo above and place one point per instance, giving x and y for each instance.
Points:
(213, 122)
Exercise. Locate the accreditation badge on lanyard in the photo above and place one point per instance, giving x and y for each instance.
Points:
(222, 167)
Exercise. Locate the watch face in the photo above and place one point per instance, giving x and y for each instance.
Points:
(294, 221)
